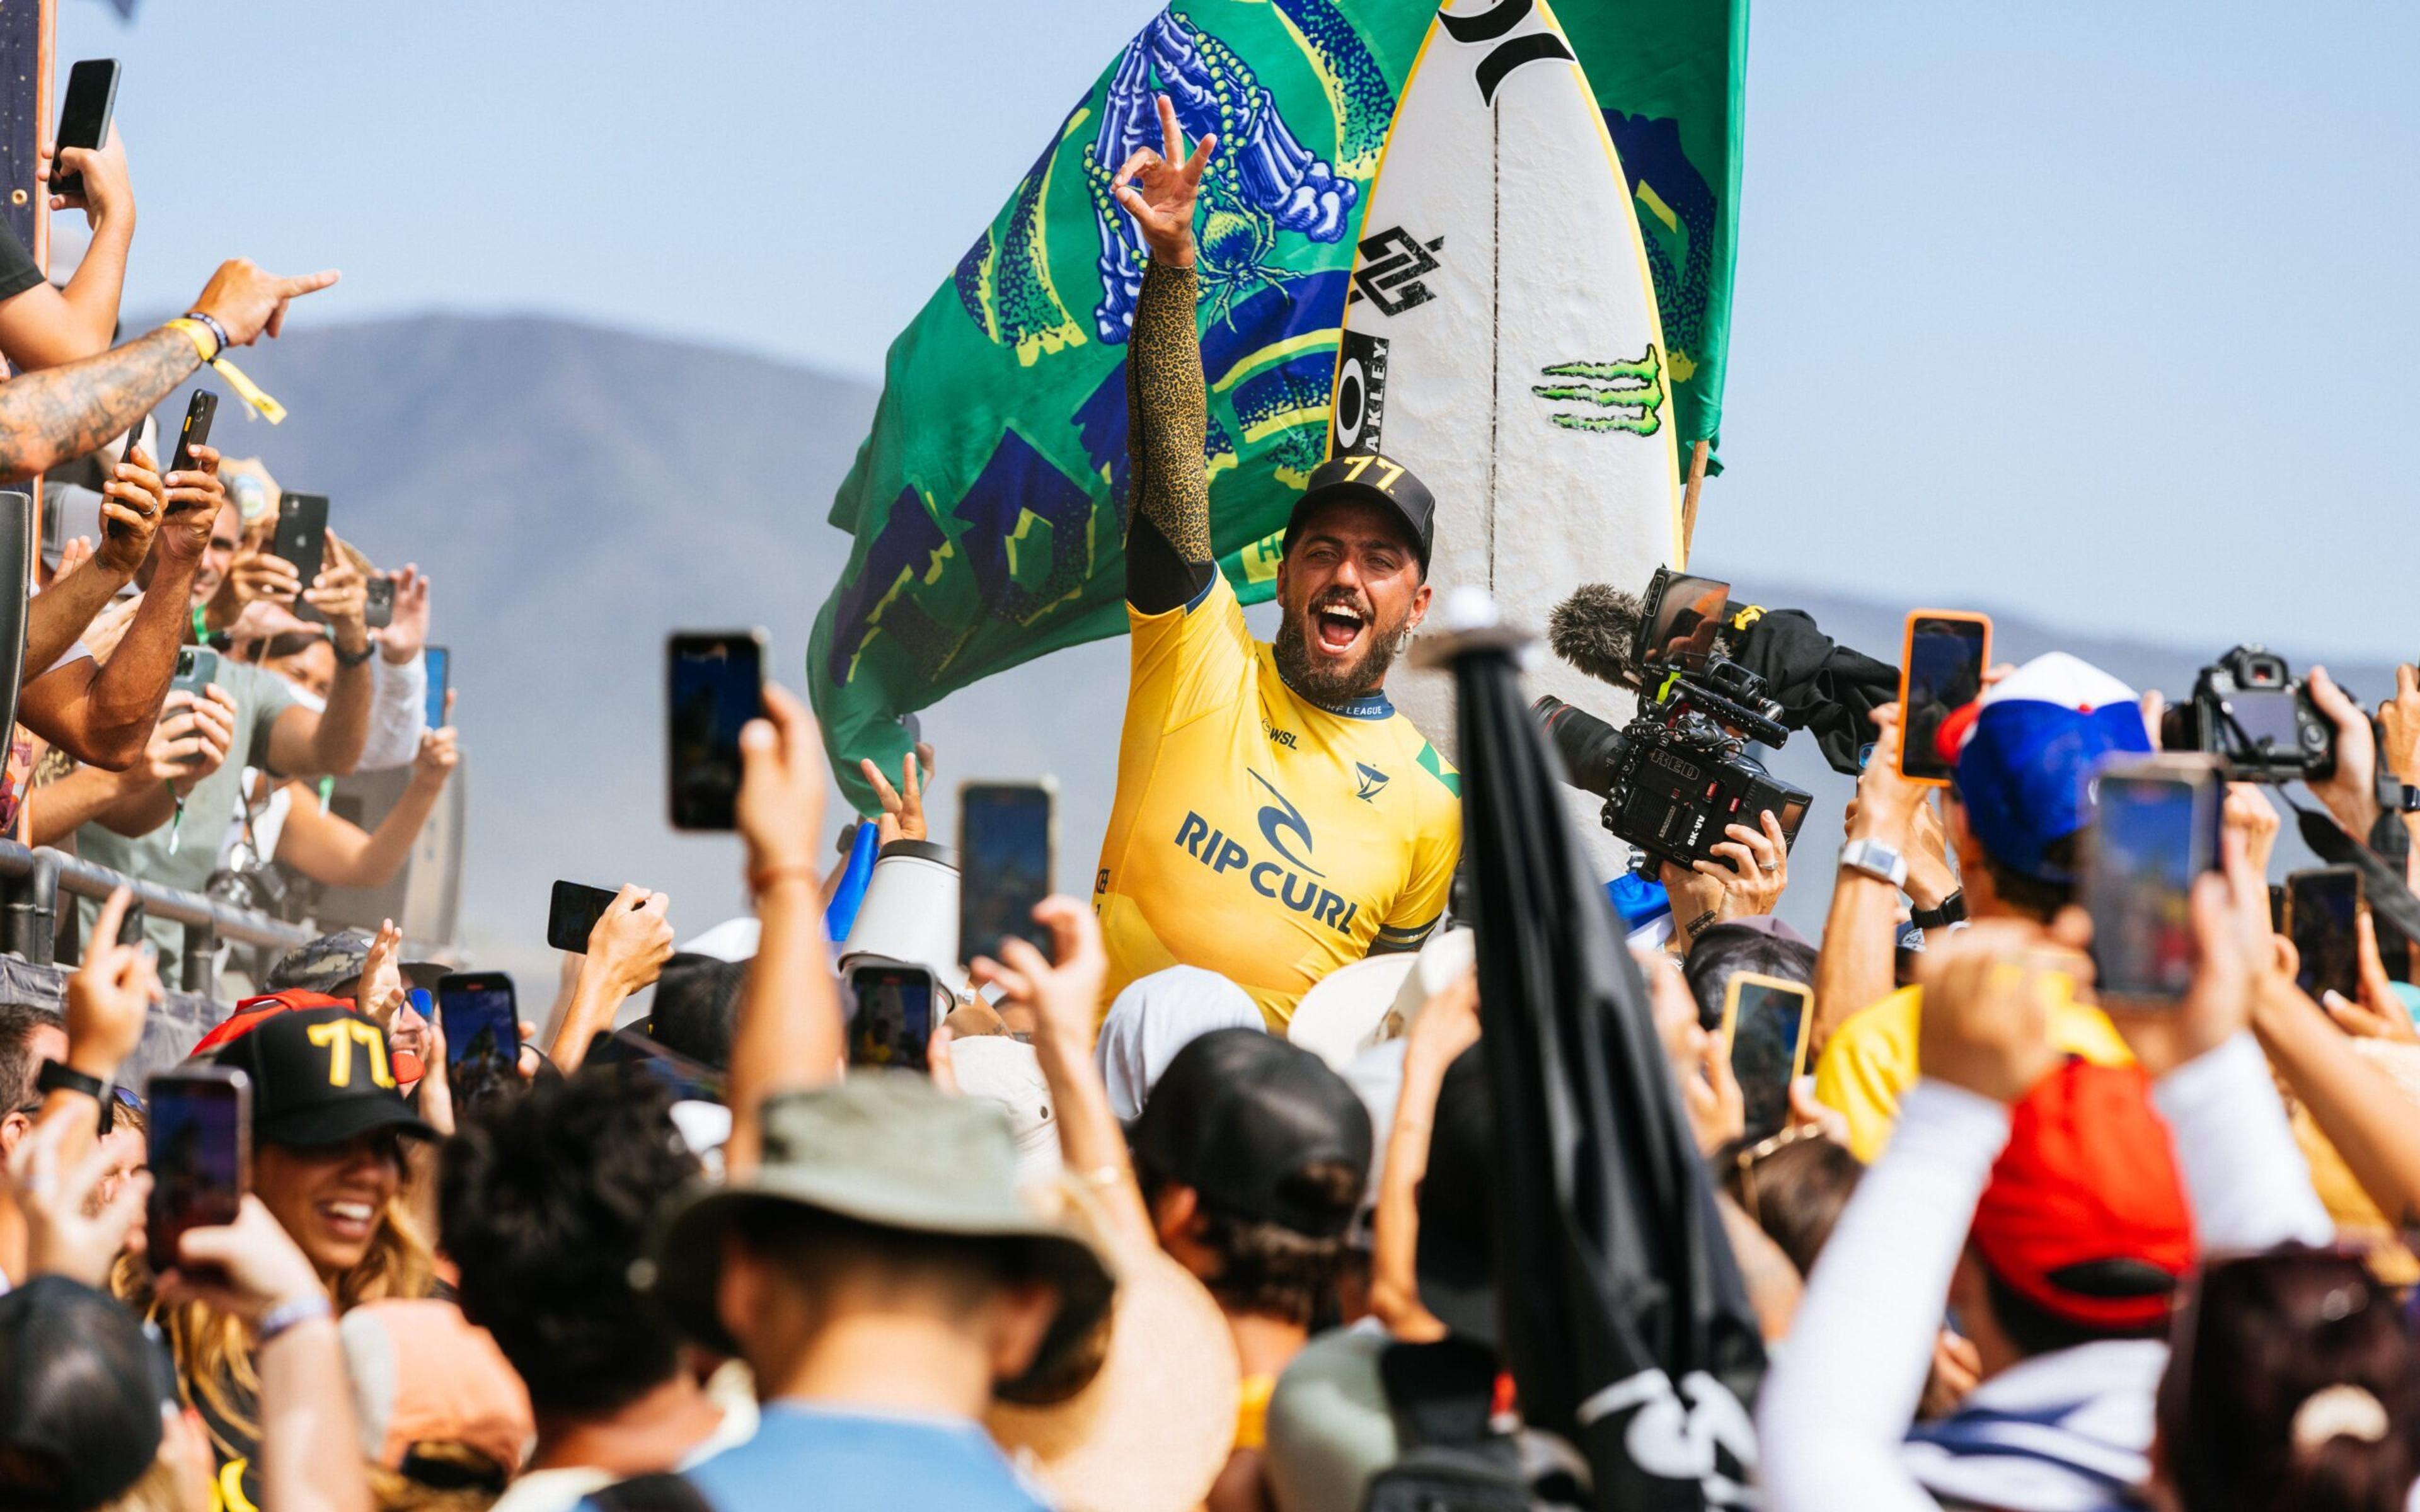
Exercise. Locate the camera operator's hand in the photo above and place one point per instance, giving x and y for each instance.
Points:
(133, 503)
(249, 303)
(1753, 869)
(1987, 993)
(1158, 189)
(2400, 716)
(108, 192)
(342, 596)
(2351, 792)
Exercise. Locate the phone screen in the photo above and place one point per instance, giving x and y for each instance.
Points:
(482, 1028)
(302, 541)
(1768, 1022)
(892, 1023)
(378, 605)
(199, 411)
(1004, 831)
(200, 1136)
(440, 665)
(1945, 674)
(2321, 909)
(717, 686)
(573, 913)
(2152, 836)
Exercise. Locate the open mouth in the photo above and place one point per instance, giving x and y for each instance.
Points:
(348, 1220)
(1337, 627)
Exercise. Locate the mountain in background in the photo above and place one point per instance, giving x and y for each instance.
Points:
(576, 493)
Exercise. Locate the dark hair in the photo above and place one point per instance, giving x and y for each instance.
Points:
(813, 1250)
(2036, 1330)
(545, 1203)
(2031, 895)
(290, 643)
(1268, 1268)
(697, 999)
(1797, 1194)
(18, 1066)
(1725, 950)
(2264, 1335)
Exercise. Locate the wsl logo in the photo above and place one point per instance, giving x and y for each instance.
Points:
(1290, 879)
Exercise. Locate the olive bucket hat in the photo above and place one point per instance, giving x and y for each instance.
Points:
(890, 1151)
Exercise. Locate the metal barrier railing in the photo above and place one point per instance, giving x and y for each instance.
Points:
(34, 882)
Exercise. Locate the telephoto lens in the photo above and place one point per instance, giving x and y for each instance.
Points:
(1591, 749)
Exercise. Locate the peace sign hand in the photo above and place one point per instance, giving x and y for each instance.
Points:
(1159, 189)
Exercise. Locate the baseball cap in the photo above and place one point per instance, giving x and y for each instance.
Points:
(329, 961)
(319, 1074)
(2085, 1215)
(82, 1395)
(1370, 478)
(423, 1374)
(2025, 766)
(1239, 1113)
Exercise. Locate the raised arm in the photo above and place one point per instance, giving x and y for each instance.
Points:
(331, 849)
(1169, 557)
(44, 327)
(332, 739)
(1854, 969)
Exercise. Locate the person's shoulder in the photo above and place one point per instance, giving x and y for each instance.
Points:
(1429, 773)
(860, 1459)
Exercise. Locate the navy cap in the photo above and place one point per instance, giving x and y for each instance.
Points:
(1239, 1113)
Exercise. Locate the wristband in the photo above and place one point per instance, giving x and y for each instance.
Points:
(206, 344)
(215, 329)
(2411, 798)
(288, 1315)
(210, 343)
(1952, 911)
(351, 658)
(54, 1077)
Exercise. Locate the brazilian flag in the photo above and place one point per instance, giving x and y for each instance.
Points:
(987, 505)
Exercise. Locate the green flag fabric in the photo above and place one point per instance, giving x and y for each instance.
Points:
(1671, 76)
(987, 505)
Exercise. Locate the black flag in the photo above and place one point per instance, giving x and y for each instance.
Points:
(1625, 1324)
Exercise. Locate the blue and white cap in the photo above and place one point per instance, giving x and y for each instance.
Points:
(2024, 771)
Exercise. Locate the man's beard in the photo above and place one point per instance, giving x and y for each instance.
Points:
(1331, 686)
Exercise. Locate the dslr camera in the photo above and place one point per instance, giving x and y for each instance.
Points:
(1679, 772)
(2249, 711)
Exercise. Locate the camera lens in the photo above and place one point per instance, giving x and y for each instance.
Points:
(1590, 749)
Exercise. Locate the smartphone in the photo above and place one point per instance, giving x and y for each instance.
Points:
(2323, 911)
(2157, 830)
(197, 667)
(1764, 1034)
(481, 1020)
(199, 411)
(572, 913)
(1007, 835)
(440, 663)
(302, 540)
(378, 605)
(892, 1023)
(1941, 672)
(84, 118)
(716, 682)
(200, 1153)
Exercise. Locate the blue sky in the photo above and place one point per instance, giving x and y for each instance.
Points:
(2100, 312)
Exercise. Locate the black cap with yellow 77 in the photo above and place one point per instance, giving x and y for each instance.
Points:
(1374, 478)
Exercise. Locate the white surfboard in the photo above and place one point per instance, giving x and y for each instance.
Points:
(1501, 340)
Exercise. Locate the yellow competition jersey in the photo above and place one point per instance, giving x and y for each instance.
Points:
(1259, 836)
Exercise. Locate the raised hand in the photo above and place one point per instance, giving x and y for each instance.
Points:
(380, 992)
(250, 302)
(438, 754)
(407, 631)
(2400, 716)
(107, 191)
(780, 807)
(1064, 992)
(65, 1233)
(109, 995)
(903, 807)
(2351, 792)
(1987, 993)
(1753, 868)
(342, 596)
(131, 504)
(1159, 189)
(633, 938)
(245, 1269)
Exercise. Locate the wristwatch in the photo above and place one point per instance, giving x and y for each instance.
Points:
(354, 658)
(2411, 798)
(1876, 860)
(1952, 911)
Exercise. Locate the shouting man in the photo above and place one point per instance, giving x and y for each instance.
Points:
(1275, 817)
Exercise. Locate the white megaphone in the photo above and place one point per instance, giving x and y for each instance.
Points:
(910, 914)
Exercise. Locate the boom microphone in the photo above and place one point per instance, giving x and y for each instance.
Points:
(1594, 630)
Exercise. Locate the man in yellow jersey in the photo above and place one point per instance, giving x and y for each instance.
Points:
(1275, 817)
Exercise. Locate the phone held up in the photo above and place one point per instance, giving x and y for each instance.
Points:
(2322, 919)
(715, 684)
(891, 1023)
(199, 411)
(572, 913)
(481, 1020)
(84, 116)
(440, 663)
(2157, 832)
(301, 542)
(1764, 1034)
(377, 602)
(197, 668)
(1007, 842)
(200, 1153)
(1941, 672)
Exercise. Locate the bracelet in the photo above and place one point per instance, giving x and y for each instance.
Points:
(289, 1315)
(353, 658)
(215, 329)
(1952, 911)
(763, 879)
(207, 345)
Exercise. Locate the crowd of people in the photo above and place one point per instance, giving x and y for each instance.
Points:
(1147, 1230)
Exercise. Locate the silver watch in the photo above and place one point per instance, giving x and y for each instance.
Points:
(1876, 860)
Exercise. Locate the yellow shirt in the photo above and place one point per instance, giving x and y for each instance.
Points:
(1257, 835)
(1870, 1060)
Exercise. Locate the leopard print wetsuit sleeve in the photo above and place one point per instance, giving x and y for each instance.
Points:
(1168, 560)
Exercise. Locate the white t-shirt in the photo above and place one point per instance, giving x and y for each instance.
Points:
(731, 1388)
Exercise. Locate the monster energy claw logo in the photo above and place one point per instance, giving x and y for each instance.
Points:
(1625, 396)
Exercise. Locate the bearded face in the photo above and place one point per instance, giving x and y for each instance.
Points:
(1352, 591)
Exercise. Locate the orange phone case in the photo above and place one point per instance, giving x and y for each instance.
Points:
(1907, 658)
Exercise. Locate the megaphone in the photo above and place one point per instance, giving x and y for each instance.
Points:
(910, 916)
